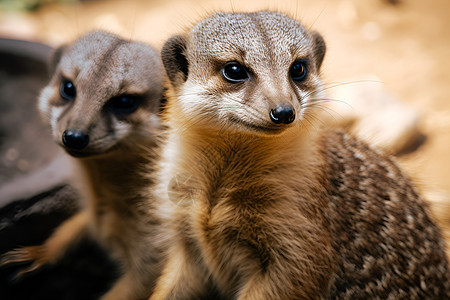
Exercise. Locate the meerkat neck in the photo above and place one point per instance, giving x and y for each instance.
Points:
(116, 178)
(257, 144)
(208, 154)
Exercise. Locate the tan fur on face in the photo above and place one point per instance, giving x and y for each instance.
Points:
(280, 211)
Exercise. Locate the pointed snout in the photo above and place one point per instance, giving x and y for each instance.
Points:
(282, 114)
(77, 123)
(75, 139)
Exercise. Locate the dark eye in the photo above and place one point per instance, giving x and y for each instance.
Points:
(67, 90)
(235, 72)
(125, 104)
(298, 70)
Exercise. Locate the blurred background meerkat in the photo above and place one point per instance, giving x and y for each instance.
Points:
(103, 103)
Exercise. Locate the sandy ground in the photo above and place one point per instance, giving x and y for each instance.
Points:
(405, 46)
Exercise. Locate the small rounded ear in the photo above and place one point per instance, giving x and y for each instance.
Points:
(55, 58)
(173, 55)
(319, 49)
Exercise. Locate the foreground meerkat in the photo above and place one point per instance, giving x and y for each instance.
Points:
(270, 205)
(103, 105)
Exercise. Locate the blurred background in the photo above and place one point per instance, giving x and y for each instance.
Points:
(397, 50)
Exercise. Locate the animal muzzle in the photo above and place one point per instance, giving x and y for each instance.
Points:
(282, 114)
(75, 139)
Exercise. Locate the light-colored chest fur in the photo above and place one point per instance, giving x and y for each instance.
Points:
(254, 199)
(117, 199)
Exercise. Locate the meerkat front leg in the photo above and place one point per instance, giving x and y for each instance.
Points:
(53, 248)
(260, 287)
(181, 279)
(256, 289)
(128, 287)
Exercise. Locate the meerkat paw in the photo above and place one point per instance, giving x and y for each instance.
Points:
(36, 255)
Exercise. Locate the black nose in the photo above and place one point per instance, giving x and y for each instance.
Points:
(75, 139)
(282, 114)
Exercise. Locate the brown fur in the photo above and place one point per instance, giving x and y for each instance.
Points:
(280, 211)
(120, 152)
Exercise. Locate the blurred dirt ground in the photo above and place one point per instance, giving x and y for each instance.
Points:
(405, 44)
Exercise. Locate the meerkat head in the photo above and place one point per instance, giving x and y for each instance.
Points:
(105, 92)
(255, 72)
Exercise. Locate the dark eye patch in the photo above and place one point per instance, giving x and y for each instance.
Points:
(234, 72)
(67, 89)
(298, 70)
(125, 104)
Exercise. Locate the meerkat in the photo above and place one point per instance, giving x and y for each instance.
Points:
(103, 104)
(267, 203)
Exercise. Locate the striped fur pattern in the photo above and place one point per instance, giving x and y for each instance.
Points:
(387, 245)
